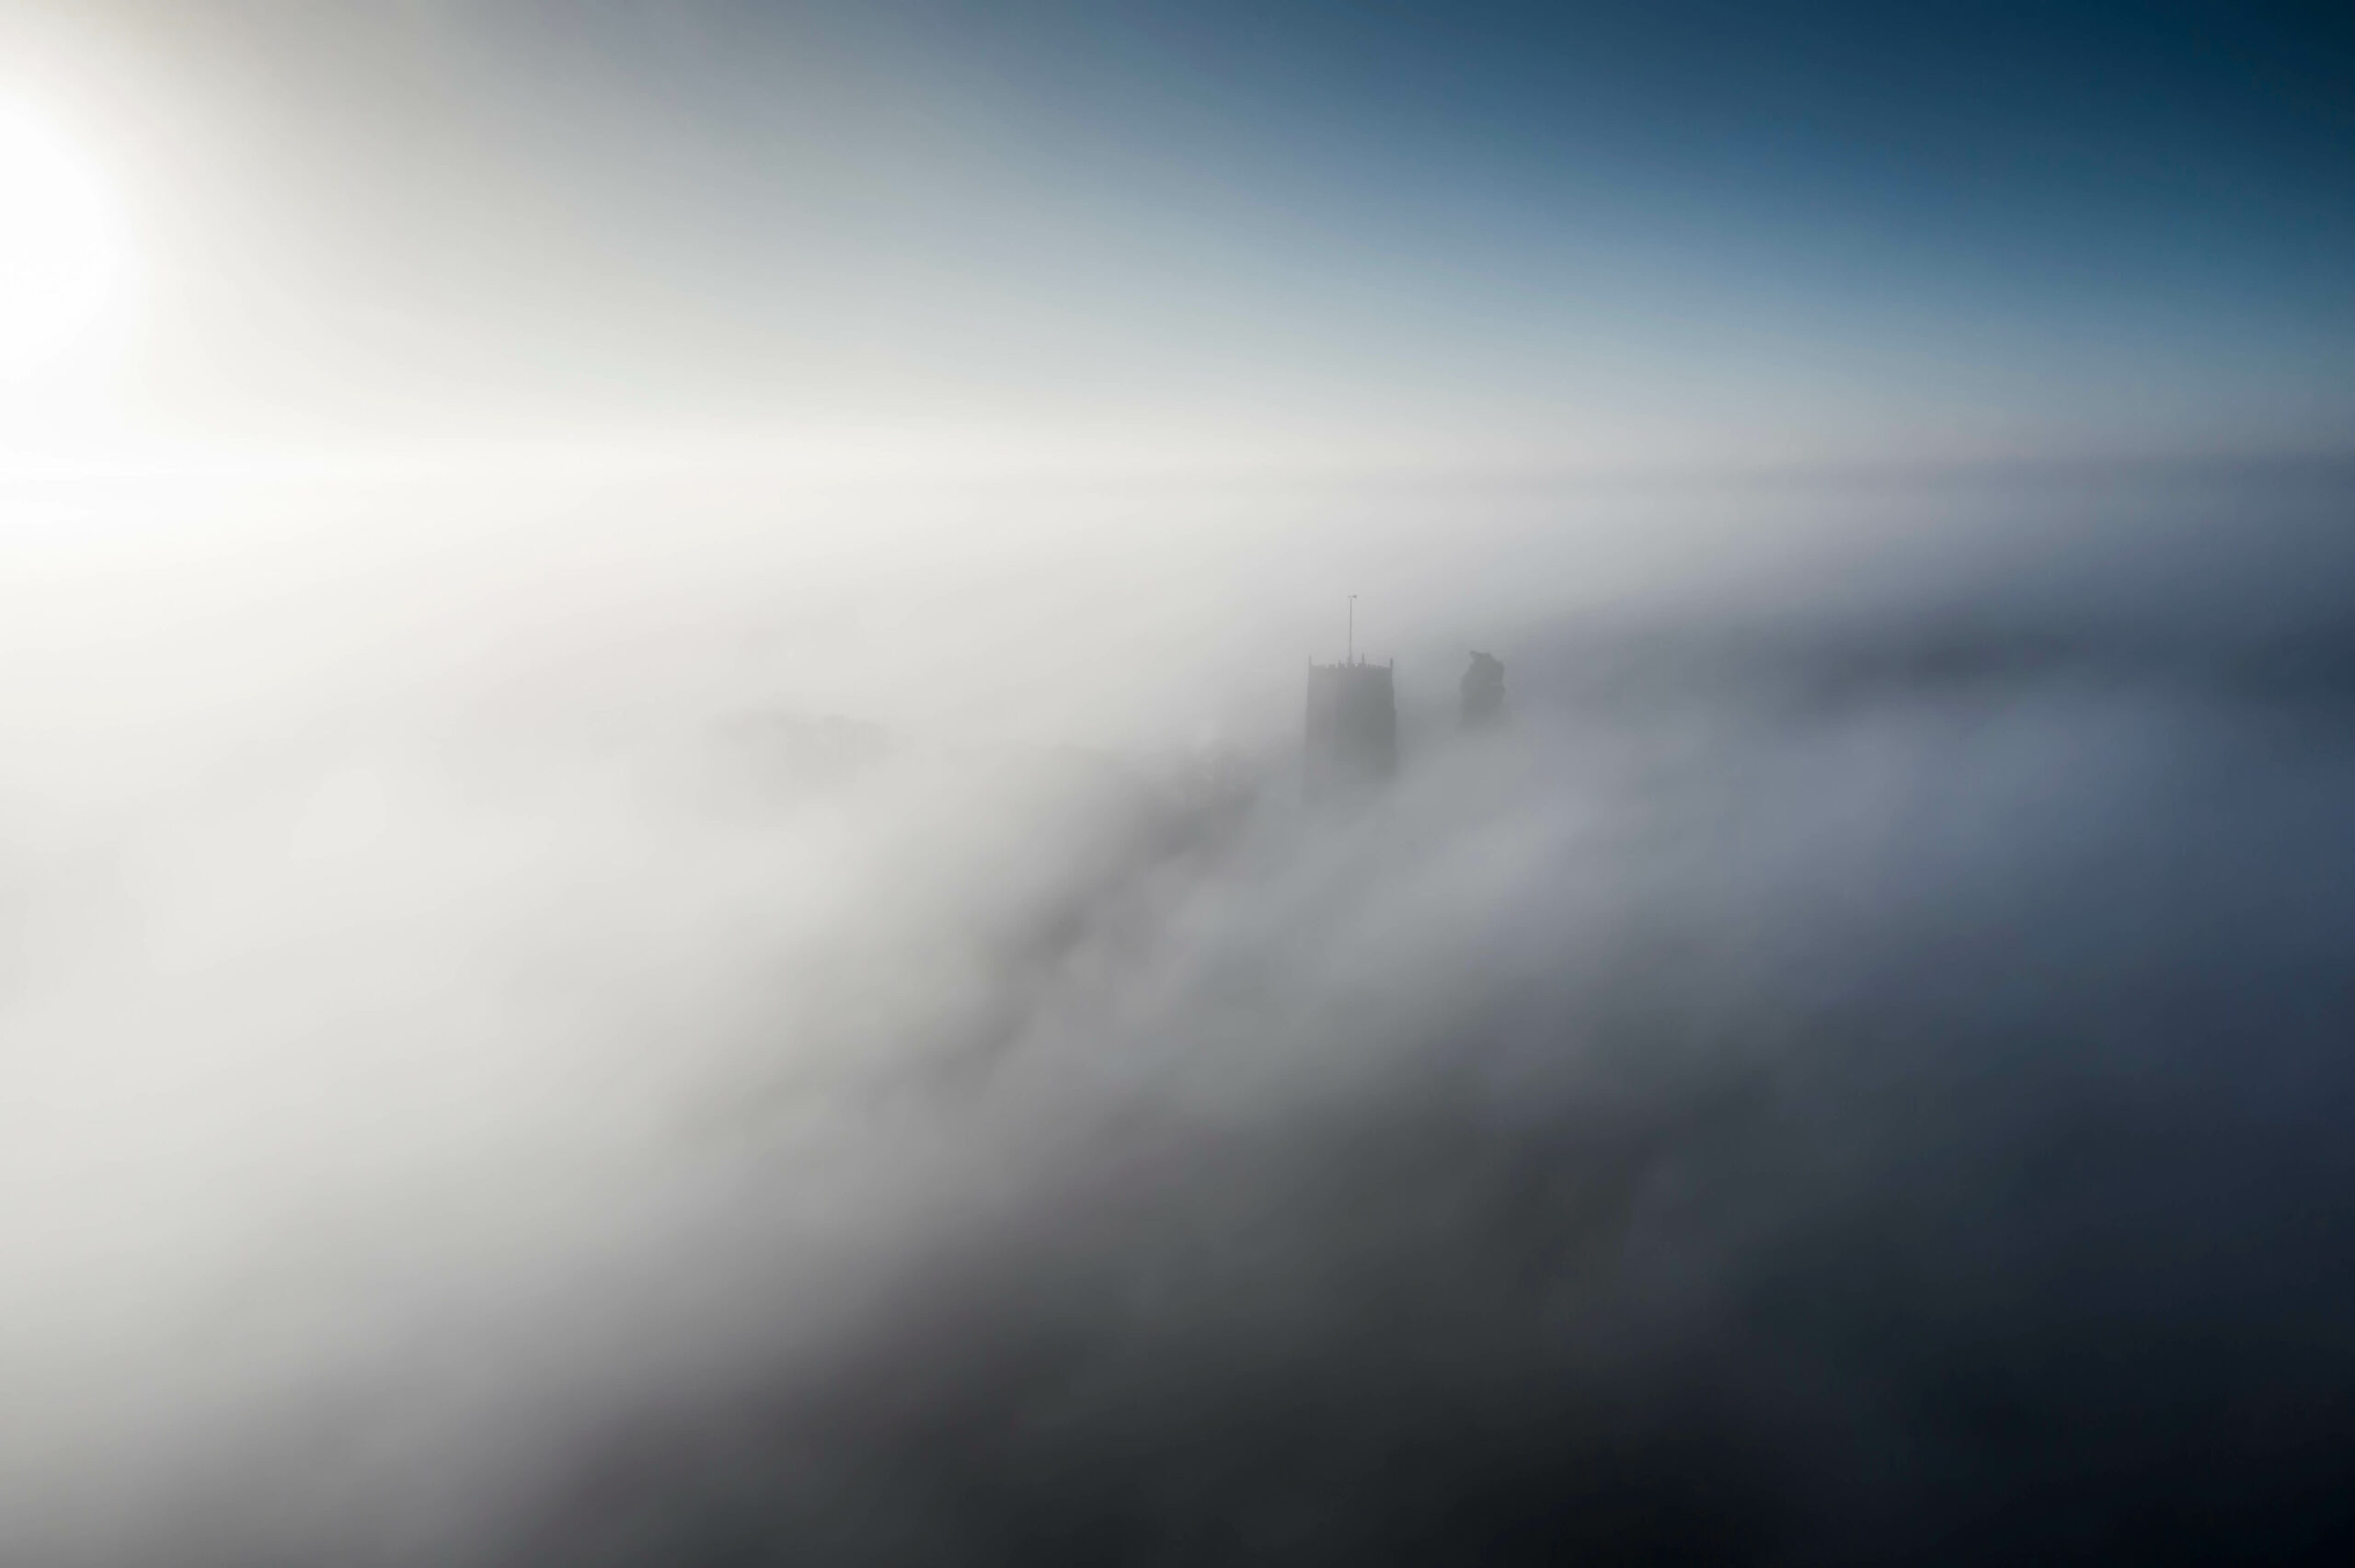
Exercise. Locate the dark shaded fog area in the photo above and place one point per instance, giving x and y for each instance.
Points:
(1856, 1069)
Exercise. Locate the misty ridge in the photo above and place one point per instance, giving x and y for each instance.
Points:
(655, 1027)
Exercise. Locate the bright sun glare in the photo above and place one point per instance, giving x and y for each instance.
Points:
(62, 256)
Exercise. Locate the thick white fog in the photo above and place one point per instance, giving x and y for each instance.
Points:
(687, 879)
(629, 1023)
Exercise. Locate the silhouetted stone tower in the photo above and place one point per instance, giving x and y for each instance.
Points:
(1484, 692)
(1352, 723)
(1352, 728)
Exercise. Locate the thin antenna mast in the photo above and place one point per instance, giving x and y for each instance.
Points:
(1351, 656)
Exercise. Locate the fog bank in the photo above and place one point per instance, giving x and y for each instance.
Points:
(673, 1026)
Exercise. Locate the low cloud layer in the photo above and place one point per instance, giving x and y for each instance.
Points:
(572, 1077)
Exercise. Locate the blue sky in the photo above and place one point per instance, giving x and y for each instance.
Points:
(1667, 232)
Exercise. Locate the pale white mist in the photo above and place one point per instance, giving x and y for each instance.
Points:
(486, 969)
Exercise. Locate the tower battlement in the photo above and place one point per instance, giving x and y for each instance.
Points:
(1483, 690)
